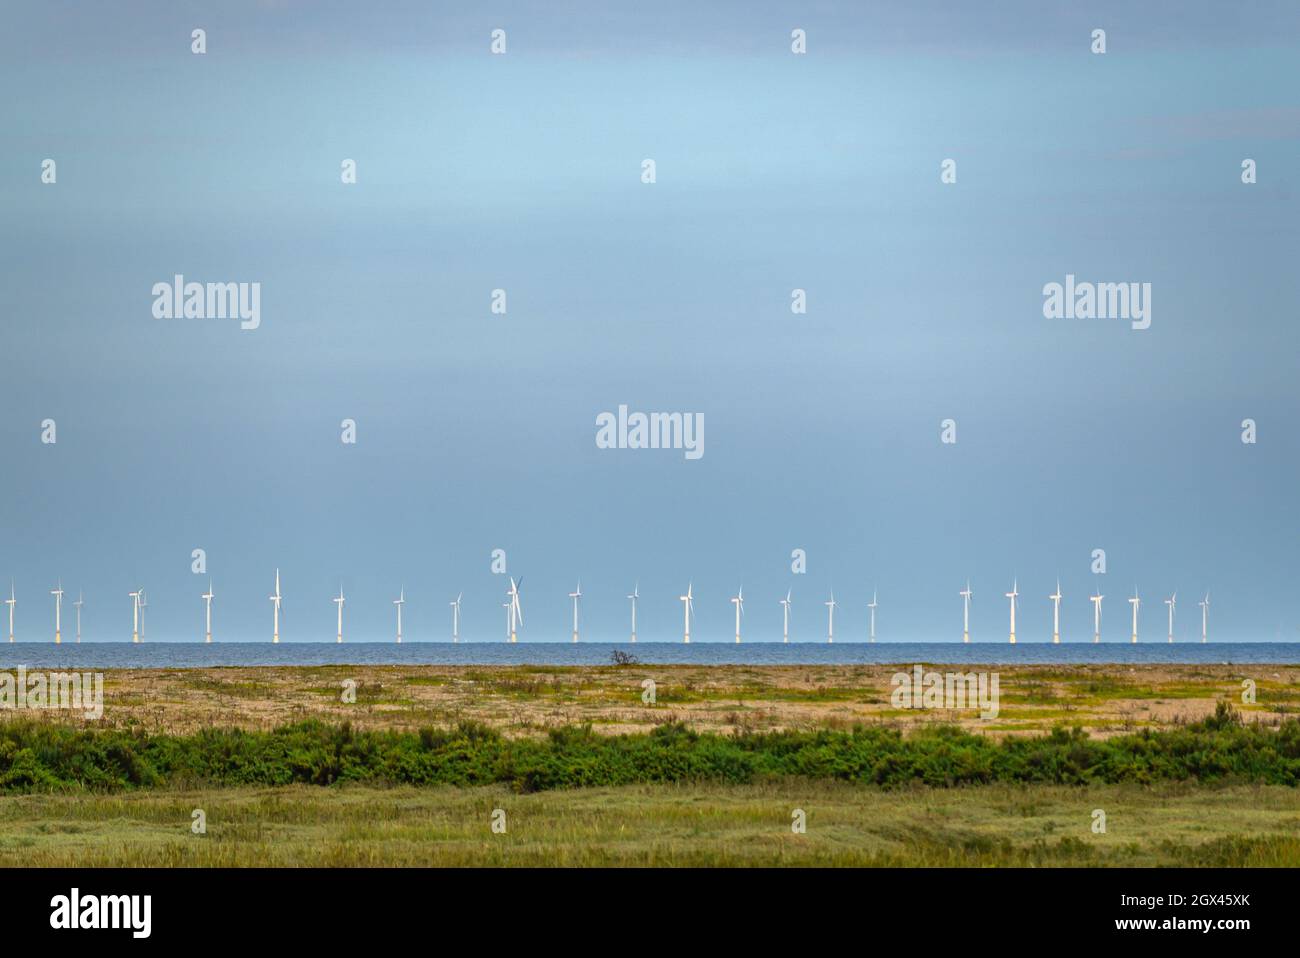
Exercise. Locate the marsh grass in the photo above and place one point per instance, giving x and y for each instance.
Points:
(658, 825)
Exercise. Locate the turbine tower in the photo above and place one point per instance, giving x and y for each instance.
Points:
(1135, 602)
(1096, 617)
(135, 627)
(636, 594)
(1012, 595)
(58, 610)
(688, 608)
(1056, 614)
(872, 606)
(506, 605)
(455, 617)
(80, 602)
(785, 631)
(11, 602)
(1205, 606)
(144, 604)
(207, 599)
(738, 600)
(516, 612)
(965, 594)
(575, 596)
(275, 599)
(338, 600)
(1171, 602)
(399, 602)
(830, 610)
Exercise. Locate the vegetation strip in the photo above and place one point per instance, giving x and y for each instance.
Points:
(37, 756)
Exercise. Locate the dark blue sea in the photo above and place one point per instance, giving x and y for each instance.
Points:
(115, 655)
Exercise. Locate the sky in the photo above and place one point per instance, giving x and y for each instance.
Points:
(775, 171)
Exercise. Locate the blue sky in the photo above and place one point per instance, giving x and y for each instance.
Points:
(476, 431)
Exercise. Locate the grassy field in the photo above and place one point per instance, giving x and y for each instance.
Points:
(660, 825)
(529, 700)
(1195, 797)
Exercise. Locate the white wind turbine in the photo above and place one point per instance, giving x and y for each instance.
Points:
(506, 605)
(58, 611)
(338, 601)
(80, 602)
(738, 600)
(636, 594)
(399, 602)
(516, 612)
(1013, 595)
(455, 617)
(144, 604)
(1096, 617)
(575, 596)
(688, 609)
(11, 602)
(830, 610)
(135, 627)
(207, 600)
(1171, 602)
(1205, 606)
(1135, 602)
(872, 606)
(785, 611)
(1056, 614)
(275, 599)
(965, 594)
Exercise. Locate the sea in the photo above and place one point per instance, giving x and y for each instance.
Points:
(173, 655)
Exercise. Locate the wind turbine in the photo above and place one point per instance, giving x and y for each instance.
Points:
(144, 604)
(636, 594)
(1171, 602)
(785, 631)
(1135, 602)
(872, 606)
(207, 599)
(830, 608)
(11, 602)
(516, 612)
(1096, 617)
(455, 617)
(506, 605)
(688, 608)
(965, 593)
(399, 602)
(58, 609)
(135, 627)
(80, 602)
(338, 600)
(1012, 595)
(575, 596)
(275, 636)
(738, 600)
(1056, 614)
(1205, 607)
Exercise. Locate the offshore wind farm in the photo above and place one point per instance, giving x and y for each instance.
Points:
(778, 636)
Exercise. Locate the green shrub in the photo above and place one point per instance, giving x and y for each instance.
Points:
(47, 757)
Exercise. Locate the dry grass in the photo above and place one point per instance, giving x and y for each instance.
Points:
(527, 700)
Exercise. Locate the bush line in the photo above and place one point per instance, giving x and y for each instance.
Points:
(36, 756)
